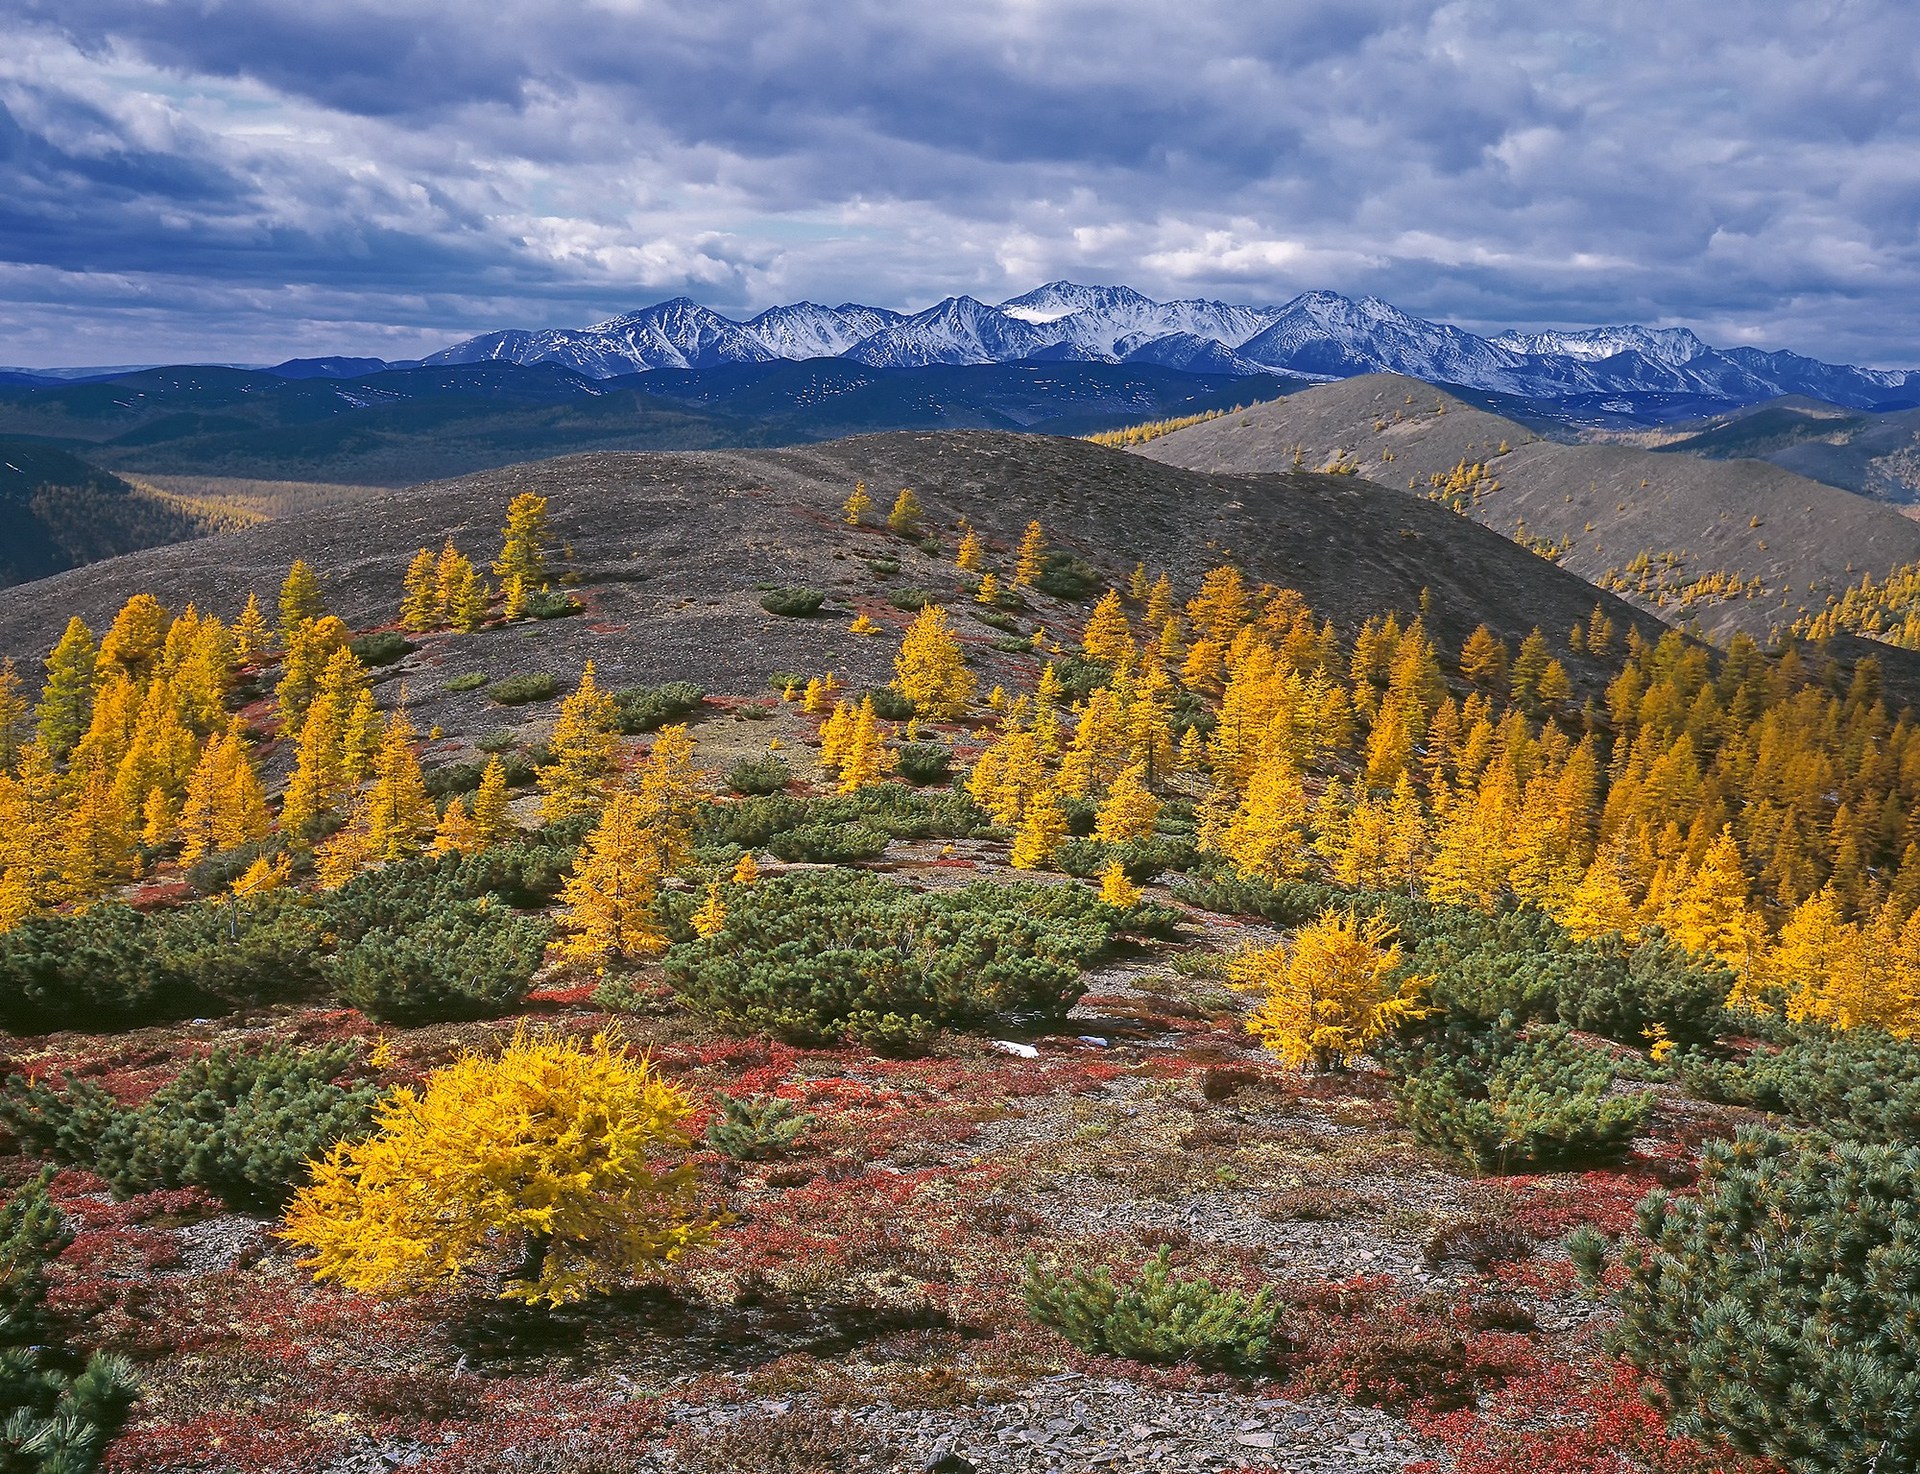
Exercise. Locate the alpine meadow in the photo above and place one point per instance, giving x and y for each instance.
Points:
(1210, 875)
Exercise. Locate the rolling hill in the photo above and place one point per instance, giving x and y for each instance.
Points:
(1735, 544)
(1876, 455)
(667, 550)
(58, 512)
(400, 427)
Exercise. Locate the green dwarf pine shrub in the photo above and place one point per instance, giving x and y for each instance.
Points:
(1158, 1317)
(1508, 1102)
(523, 689)
(243, 1124)
(922, 763)
(753, 1128)
(753, 776)
(827, 955)
(794, 603)
(1778, 1308)
(473, 959)
(53, 1419)
(1859, 1083)
(647, 708)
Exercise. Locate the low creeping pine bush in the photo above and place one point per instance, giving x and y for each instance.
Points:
(473, 680)
(1855, 1083)
(451, 778)
(827, 955)
(894, 810)
(58, 1412)
(753, 776)
(1778, 1308)
(242, 1124)
(640, 709)
(754, 1128)
(794, 603)
(1067, 577)
(384, 648)
(524, 689)
(923, 763)
(891, 704)
(472, 959)
(1156, 1317)
(1511, 1102)
(551, 604)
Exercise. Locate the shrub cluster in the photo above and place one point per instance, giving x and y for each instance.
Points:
(472, 959)
(57, 1415)
(452, 778)
(1157, 1317)
(805, 827)
(113, 967)
(923, 763)
(753, 776)
(640, 709)
(755, 1127)
(795, 603)
(522, 690)
(1067, 577)
(1856, 1083)
(551, 604)
(1516, 961)
(1512, 1102)
(828, 955)
(241, 1124)
(1778, 1308)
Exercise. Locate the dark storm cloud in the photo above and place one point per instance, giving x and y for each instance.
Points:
(250, 178)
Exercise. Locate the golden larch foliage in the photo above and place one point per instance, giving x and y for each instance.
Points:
(1329, 994)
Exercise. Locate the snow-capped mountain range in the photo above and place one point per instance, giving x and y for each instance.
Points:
(1318, 335)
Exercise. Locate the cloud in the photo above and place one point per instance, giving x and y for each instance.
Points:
(248, 178)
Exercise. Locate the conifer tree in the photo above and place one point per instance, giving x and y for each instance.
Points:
(904, 518)
(1138, 589)
(1264, 838)
(1483, 661)
(420, 606)
(472, 599)
(311, 648)
(1130, 810)
(513, 603)
(1711, 913)
(989, 590)
(1160, 604)
(970, 556)
(747, 872)
(1528, 666)
(710, 918)
(1330, 994)
(610, 895)
(399, 811)
(1042, 827)
(455, 833)
(96, 838)
(813, 700)
(300, 599)
(858, 504)
(1030, 560)
(864, 758)
(930, 670)
(1108, 637)
(134, 639)
(863, 624)
(66, 699)
(491, 821)
(14, 714)
(360, 734)
(252, 636)
(1116, 890)
(671, 785)
(451, 574)
(585, 747)
(523, 543)
(835, 732)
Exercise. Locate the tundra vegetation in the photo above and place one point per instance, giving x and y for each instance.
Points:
(1325, 1019)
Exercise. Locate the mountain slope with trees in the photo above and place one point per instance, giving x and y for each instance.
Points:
(1734, 544)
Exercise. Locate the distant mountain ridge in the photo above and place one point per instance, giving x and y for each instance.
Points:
(1316, 336)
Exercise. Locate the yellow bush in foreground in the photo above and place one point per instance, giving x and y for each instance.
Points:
(551, 1147)
(1329, 995)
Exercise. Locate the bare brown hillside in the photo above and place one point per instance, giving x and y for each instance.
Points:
(667, 551)
(1747, 545)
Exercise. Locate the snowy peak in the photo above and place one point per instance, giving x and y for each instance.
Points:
(1317, 335)
(1671, 346)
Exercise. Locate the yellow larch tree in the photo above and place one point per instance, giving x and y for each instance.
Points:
(858, 504)
(311, 647)
(1265, 836)
(492, 822)
(523, 543)
(300, 601)
(252, 635)
(747, 871)
(1330, 994)
(16, 713)
(1603, 901)
(989, 591)
(555, 1152)
(96, 836)
(1116, 890)
(670, 785)
(585, 747)
(709, 919)
(864, 757)
(1711, 913)
(455, 833)
(1042, 827)
(66, 698)
(1008, 774)
(970, 556)
(1108, 637)
(1138, 587)
(420, 605)
(1820, 963)
(1130, 810)
(904, 518)
(1030, 559)
(611, 893)
(399, 810)
(930, 669)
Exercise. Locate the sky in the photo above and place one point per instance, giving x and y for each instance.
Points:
(245, 182)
